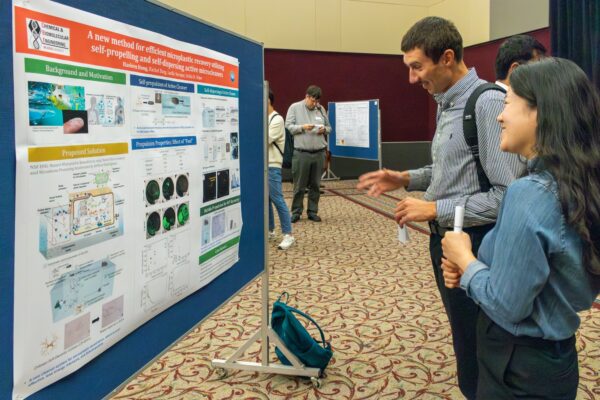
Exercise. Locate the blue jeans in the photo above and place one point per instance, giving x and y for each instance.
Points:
(276, 198)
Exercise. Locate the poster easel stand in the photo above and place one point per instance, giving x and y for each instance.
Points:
(266, 334)
(328, 175)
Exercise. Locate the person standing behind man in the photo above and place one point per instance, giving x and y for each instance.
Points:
(514, 51)
(433, 53)
(307, 121)
(276, 145)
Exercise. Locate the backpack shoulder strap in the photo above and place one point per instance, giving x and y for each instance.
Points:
(274, 115)
(470, 130)
(277, 146)
(287, 297)
(273, 143)
(296, 311)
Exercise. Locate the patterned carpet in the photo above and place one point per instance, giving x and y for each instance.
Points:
(374, 298)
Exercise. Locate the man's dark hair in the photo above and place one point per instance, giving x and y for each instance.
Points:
(271, 97)
(519, 49)
(314, 91)
(434, 35)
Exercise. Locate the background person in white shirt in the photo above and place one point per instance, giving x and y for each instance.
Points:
(276, 145)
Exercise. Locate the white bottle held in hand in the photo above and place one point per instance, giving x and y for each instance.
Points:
(459, 216)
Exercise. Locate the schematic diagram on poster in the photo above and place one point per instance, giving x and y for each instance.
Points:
(74, 291)
(92, 210)
(88, 219)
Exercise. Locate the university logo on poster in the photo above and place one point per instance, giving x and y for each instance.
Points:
(48, 37)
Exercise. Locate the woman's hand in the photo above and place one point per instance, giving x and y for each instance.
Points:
(457, 249)
(452, 274)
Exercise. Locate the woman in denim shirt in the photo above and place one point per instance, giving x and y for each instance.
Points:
(540, 265)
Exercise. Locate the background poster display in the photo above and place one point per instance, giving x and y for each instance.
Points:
(356, 129)
(128, 175)
(352, 124)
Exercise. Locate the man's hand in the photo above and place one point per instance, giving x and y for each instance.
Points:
(411, 209)
(321, 130)
(457, 249)
(382, 181)
(308, 127)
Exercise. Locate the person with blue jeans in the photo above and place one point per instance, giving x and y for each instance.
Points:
(540, 265)
(276, 145)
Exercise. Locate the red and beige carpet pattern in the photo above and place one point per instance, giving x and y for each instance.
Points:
(374, 298)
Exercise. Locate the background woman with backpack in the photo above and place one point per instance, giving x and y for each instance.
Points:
(276, 141)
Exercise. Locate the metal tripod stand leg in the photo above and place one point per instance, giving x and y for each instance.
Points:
(329, 176)
(266, 335)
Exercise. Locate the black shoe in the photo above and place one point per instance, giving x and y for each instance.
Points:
(295, 218)
(314, 217)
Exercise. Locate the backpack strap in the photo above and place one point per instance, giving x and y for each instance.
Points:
(271, 119)
(470, 131)
(287, 297)
(273, 143)
(296, 311)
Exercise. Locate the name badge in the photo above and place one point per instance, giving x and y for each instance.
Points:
(318, 118)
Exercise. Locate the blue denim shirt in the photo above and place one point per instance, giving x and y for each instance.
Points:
(529, 277)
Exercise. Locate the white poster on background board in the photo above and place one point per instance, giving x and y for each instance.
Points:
(352, 124)
(127, 145)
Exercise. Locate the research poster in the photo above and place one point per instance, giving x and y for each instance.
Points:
(128, 182)
(352, 124)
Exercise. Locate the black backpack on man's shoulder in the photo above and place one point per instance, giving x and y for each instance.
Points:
(470, 131)
(288, 147)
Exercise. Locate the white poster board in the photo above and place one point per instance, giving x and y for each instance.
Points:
(352, 124)
(128, 182)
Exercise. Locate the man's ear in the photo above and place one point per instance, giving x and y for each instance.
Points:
(448, 57)
(512, 67)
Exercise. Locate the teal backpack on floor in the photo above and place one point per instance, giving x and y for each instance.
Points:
(296, 338)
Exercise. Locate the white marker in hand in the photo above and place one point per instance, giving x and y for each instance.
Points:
(459, 216)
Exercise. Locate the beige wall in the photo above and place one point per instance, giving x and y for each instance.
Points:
(532, 14)
(471, 17)
(376, 27)
(362, 26)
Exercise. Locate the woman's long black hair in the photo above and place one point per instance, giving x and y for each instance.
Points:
(568, 141)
